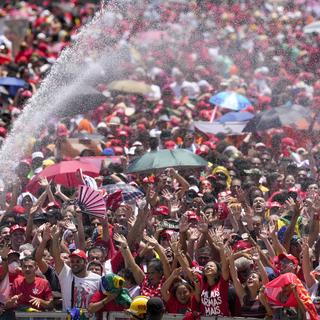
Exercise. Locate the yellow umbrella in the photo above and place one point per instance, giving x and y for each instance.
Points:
(130, 86)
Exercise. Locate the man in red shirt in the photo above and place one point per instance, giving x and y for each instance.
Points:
(30, 291)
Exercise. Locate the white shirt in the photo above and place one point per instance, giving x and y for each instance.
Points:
(84, 288)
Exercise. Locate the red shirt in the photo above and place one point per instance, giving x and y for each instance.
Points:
(214, 299)
(111, 306)
(174, 306)
(40, 288)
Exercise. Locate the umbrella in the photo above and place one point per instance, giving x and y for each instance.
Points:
(278, 117)
(130, 86)
(312, 27)
(179, 158)
(230, 100)
(87, 99)
(13, 84)
(129, 192)
(229, 128)
(63, 173)
(235, 116)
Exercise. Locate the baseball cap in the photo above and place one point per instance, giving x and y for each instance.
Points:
(192, 216)
(53, 204)
(78, 253)
(16, 227)
(37, 154)
(289, 257)
(18, 209)
(161, 211)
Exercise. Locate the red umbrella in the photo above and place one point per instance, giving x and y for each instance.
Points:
(64, 173)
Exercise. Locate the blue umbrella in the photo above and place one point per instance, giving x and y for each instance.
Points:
(13, 84)
(230, 100)
(236, 116)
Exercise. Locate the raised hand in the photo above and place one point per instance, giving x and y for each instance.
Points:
(216, 239)
(167, 195)
(151, 197)
(264, 233)
(71, 226)
(175, 206)
(55, 232)
(4, 252)
(141, 203)
(176, 272)
(184, 224)
(44, 182)
(121, 240)
(203, 224)
(46, 233)
(151, 240)
(194, 234)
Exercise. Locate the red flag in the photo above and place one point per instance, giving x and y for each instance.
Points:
(114, 199)
(274, 291)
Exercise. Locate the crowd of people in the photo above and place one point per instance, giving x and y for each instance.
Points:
(239, 237)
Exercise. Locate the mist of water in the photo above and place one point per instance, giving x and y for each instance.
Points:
(87, 61)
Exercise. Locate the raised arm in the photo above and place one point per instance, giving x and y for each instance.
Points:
(4, 257)
(81, 235)
(46, 236)
(290, 229)
(217, 241)
(165, 290)
(235, 280)
(306, 266)
(160, 251)
(55, 249)
(128, 258)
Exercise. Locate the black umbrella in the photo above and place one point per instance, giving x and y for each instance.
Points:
(278, 117)
(87, 99)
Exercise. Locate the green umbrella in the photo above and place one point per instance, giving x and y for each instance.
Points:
(179, 158)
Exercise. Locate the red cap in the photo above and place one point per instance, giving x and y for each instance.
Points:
(170, 145)
(161, 211)
(192, 216)
(78, 253)
(274, 204)
(241, 245)
(17, 227)
(166, 234)
(289, 257)
(18, 210)
(123, 133)
(53, 204)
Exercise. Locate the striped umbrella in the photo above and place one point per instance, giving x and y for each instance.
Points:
(129, 192)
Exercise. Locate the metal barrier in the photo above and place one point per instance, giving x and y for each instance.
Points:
(110, 316)
(123, 315)
(41, 315)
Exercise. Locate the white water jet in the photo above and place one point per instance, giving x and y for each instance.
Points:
(70, 74)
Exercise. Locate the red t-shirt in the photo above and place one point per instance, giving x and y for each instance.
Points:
(174, 306)
(214, 299)
(40, 288)
(111, 306)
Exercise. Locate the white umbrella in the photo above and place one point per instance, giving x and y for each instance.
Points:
(312, 27)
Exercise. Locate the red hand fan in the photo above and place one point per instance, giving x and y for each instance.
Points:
(91, 201)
